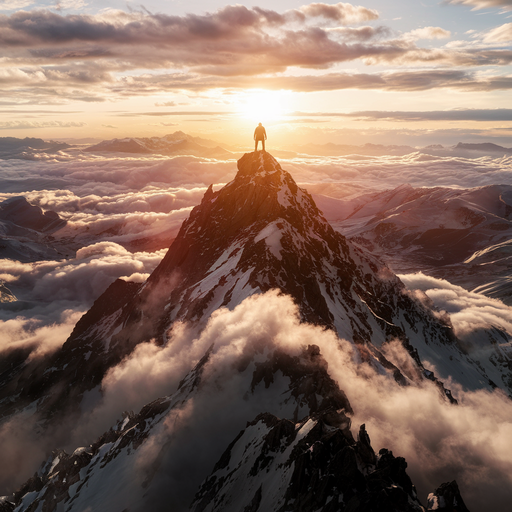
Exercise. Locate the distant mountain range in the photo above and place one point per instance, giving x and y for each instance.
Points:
(27, 148)
(177, 143)
(180, 143)
(25, 232)
(461, 149)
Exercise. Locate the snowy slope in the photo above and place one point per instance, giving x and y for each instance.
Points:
(25, 231)
(460, 235)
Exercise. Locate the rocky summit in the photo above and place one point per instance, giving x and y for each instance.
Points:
(253, 425)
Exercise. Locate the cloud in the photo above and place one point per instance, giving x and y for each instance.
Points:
(234, 40)
(484, 4)
(469, 312)
(501, 34)
(69, 4)
(429, 33)
(82, 279)
(14, 5)
(23, 125)
(341, 12)
(36, 334)
(361, 34)
(166, 104)
(388, 81)
(53, 58)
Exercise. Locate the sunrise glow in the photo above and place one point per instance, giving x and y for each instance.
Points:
(262, 106)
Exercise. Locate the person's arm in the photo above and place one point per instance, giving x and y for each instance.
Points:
(254, 137)
(265, 133)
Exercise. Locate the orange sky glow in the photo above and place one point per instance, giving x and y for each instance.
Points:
(402, 72)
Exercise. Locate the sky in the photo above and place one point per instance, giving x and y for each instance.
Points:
(394, 72)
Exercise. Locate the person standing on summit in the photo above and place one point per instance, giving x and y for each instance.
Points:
(259, 134)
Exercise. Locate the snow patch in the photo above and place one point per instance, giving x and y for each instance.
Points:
(272, 235)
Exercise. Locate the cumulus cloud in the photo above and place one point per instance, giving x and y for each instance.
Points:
(83, 278)
(469, 312)
(341, 12)
(35, 334)
(361, 34)
(429, 33)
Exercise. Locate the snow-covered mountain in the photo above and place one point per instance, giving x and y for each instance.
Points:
(248, 252)
(462, 235)
(177, 143)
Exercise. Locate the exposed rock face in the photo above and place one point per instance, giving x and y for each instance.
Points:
(20, 212)
(306, 463)
(313, 465)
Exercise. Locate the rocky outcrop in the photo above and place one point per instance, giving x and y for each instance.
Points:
(313, 465)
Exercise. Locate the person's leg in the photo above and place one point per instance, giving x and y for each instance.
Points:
(256, 145)
(263, 144)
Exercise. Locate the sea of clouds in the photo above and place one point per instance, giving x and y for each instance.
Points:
(110, 201)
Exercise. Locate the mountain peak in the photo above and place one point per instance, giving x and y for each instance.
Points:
(258, 163)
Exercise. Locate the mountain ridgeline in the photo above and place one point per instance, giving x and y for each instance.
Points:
(259, 234)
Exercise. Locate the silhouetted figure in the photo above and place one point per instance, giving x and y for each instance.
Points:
(259, 134)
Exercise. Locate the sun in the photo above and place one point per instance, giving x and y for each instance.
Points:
(262, 106)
